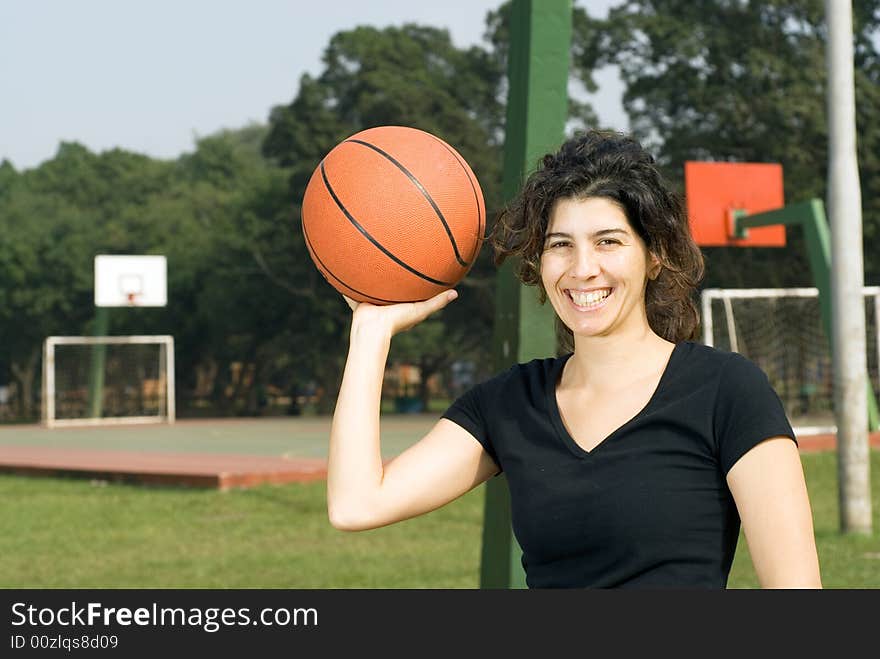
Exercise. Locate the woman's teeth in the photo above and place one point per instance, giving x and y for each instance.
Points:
(589, 299)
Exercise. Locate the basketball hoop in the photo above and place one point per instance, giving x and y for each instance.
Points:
(124, 280)
(718, 194)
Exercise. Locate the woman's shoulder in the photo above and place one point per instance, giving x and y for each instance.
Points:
(706, 360)
(516, 386)
(706, 355)
(535, 372)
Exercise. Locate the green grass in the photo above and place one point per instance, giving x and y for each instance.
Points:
(60, 533)
(69, 533)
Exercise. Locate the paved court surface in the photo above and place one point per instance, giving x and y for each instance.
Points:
(216, 453)
(297, 436)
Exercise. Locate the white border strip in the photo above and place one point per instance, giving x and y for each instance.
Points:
(109, 421)
(91, 340)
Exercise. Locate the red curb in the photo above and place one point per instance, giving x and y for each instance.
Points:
(828, 442)
(219, 471)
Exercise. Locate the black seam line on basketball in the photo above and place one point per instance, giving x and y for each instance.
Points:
(480, 215)
(330, 272)
(421, 189)
(373, 240)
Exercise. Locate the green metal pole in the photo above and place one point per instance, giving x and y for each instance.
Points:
(96, 371)
(811, 216)
(537, 108)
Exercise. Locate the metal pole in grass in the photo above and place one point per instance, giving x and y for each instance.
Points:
(847, 276)
(537, 107)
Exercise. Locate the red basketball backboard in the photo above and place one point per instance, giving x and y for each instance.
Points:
(714, 190)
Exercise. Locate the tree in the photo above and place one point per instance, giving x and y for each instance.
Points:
(228, 207)
(741, 80)
(54, 219)
(198, 211)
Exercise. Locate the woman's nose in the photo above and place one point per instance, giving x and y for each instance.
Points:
(585, 264)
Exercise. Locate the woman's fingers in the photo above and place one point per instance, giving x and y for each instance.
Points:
(399, 317)
(419, 311)
(434, 304)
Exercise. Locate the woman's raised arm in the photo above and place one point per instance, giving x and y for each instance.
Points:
(446, 463)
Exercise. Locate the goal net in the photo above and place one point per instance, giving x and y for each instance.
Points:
(108, 380)
(781, 330)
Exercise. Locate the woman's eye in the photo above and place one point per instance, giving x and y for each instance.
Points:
(610, 241)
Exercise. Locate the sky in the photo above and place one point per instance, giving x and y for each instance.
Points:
(152, 77)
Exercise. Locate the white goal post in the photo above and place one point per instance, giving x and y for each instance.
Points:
(781, 330)
(107, 380)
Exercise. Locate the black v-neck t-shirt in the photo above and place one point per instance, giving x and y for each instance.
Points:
(647, 507)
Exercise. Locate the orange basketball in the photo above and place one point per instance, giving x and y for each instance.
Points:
(393, 214)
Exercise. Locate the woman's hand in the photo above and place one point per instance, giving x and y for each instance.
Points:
(395, 318)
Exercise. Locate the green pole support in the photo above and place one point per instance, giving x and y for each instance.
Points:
(96, 371)
(537, 108)
(811, 216)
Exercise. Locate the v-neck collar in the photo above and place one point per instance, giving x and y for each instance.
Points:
(556, 416)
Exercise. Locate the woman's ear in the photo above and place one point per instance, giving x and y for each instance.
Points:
(655, 268)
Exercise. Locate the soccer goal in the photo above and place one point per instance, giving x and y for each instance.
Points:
(781, 330)
(97, 380)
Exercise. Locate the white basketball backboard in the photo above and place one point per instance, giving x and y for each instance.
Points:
(123, 280)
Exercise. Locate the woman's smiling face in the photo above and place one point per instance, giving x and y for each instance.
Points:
(594, 266)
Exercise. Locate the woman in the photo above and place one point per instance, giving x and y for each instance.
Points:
(633, 458)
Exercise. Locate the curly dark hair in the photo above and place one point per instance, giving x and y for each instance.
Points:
(614, 166)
